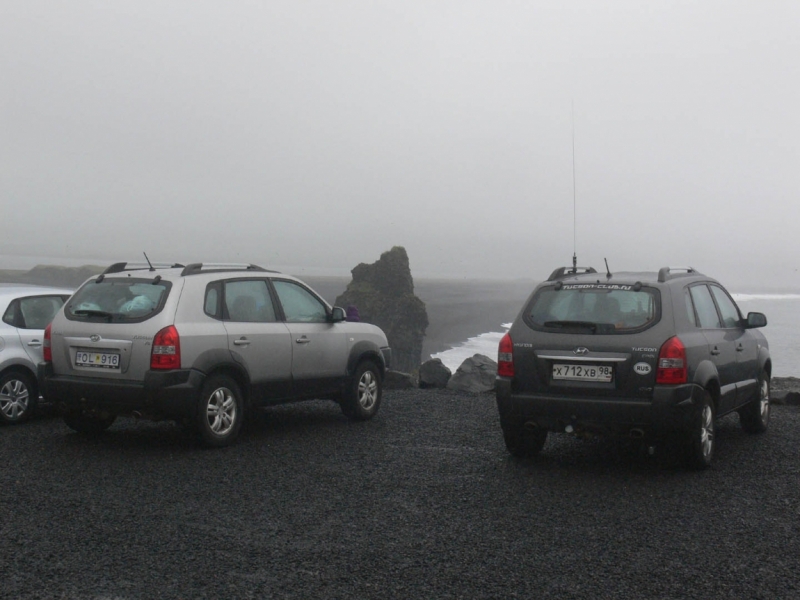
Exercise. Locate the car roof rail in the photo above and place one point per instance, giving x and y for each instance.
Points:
(665, 273)
(562, 272)
(197, 268)
(125, 266)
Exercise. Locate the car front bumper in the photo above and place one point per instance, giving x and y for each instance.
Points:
(162, 393)
(669, 409)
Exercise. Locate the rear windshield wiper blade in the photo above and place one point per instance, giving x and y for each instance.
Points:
(572, 325)
(87, 312)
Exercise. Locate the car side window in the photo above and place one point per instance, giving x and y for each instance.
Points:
(704, 304)
(211, 304)
(249, 301)
(38, 311)
(690, 308)
(300, 305)
(727, 308)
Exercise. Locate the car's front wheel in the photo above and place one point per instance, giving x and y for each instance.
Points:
(754, 417)
(18, 397)
(520, 441)
(220, 412)
(363, 397)
(87, 423)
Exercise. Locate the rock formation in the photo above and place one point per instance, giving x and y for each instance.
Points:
(476, 374)
(383, 293)
(434, 374)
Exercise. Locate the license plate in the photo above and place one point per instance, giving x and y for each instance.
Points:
(583, 372)
(100, 360)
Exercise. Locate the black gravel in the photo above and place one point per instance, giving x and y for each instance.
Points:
(421, 502)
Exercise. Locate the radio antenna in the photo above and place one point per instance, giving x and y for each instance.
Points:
(574, 200)
(148, 261)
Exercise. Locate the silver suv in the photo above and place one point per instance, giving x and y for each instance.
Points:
(26, 310)
(203, 345)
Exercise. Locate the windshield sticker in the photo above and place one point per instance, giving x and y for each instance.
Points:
(596, 286)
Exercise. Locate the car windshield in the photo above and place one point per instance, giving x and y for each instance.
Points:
(118, 300)
(594, 308)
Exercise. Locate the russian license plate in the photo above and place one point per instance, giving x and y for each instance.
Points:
(583, 372)
(101, 360)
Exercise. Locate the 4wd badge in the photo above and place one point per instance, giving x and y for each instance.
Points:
(642, 368)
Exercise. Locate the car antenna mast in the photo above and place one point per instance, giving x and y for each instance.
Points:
(152, 268)
(574, 200)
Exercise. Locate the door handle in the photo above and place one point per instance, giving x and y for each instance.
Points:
(302, 340)
(242, 342)
(35, 343)
(715, 351)
(740, 348)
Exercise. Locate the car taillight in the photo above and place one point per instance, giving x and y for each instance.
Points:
(47, 349)
(505, 357)
(166, 349)
(672, 362)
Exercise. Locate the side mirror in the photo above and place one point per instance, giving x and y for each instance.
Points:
(756, 319)
(337, 315)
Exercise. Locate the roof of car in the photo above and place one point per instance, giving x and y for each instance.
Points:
(588, 274)
(29, 289)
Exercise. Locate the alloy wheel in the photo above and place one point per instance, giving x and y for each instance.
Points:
(14, 398)
(367, 390)
(221, 411)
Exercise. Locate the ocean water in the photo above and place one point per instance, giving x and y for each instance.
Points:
(782, 333)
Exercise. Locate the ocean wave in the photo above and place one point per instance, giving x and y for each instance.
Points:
(749, 297)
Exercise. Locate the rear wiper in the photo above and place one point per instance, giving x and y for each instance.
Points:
(87, 312)
(572, 325)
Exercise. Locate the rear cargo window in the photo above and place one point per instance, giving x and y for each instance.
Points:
(118, 300)
(600, 308)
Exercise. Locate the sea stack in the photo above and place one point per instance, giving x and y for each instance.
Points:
(383, 293)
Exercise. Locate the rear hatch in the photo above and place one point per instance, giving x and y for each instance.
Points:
(106, 329)
(589, 340)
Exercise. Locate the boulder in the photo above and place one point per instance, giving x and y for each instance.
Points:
(397, 380)
(433, 374)
(475, 375)
(383, 294)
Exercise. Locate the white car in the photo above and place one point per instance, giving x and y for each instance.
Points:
(26, 310)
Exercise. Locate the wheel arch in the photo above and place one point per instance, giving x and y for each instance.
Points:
(707, 377)
(362, 351)
(221, 362)
(20, 367)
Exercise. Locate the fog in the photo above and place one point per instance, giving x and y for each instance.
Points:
(312, 136)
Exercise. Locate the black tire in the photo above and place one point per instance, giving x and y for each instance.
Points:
(18, 397)
(754, 417)
(701, 439)
(220, 412)
(87, 423)
(362, 398)
(522, 442)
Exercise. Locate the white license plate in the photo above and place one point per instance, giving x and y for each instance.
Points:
(101, 360)
(583, 372)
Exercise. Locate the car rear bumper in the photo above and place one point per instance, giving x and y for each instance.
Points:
(166, 393)
(669, 409)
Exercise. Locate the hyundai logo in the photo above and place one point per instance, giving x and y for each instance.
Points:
(95, 338)
(581, 351)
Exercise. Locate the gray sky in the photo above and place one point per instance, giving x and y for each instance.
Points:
(315, 135)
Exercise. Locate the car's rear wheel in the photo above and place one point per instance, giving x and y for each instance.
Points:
(87, 423)
(220, 411)
(362, 398)
(18, 397)
(521, 441)
(701, 434)
(754, 417)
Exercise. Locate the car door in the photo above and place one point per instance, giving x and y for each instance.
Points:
(745, 345)
(319, 347)
(721, 344)
(256, 338)
(34, 313)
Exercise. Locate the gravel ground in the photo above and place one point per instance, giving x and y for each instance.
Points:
(421, 502)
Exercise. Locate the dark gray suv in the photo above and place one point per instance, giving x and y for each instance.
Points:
(647, 355)
(204, 345)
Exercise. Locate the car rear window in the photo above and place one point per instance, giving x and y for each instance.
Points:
(595, 308)
(118, 300)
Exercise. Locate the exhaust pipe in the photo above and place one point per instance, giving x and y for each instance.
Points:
(531, 426)
(637, 433)
(136, 414)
